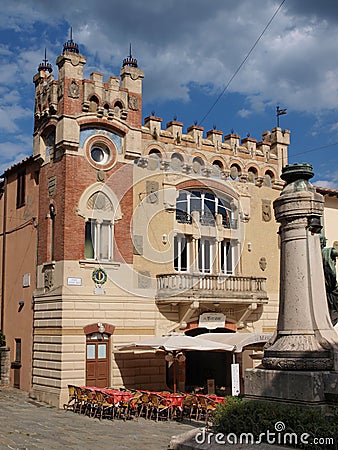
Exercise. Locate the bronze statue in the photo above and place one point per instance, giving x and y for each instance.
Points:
(329, 264)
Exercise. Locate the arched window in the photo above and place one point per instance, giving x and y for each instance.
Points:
(106, 109)
(154, 159)
(217, 167)
(197, 165)
(235, 172)
(207, 204)
(93, 104)
(118, 108)
(268, 178)
(100, 209)
(176, 162)
(252, 174)
(99, 229)
(49, 141)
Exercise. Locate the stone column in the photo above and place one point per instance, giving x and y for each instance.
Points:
(300, 343)
(300, 362)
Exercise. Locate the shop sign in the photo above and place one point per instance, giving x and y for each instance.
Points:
(211, 320)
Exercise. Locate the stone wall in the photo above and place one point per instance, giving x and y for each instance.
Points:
(4, 366)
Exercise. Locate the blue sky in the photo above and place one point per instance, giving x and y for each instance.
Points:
(189, 50)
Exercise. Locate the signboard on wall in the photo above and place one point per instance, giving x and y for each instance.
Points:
(235, 381)
(26, 280)
(74, 281)
(211, 320)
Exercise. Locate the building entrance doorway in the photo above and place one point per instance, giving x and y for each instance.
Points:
(97, 360)
(203, 366)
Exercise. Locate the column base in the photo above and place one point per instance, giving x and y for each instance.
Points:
(308, 388)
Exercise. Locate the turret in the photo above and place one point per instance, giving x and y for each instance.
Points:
(131, 80)
(70, 76)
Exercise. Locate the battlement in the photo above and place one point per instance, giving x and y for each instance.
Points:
(68, 101)
(214, 140)
(72, 95)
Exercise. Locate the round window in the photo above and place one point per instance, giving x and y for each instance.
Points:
(100, 154)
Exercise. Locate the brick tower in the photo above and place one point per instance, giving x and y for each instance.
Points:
(85, 131)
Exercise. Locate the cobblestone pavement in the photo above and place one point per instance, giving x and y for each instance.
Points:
(26, 424)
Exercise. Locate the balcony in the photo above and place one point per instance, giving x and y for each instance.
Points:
(183, 287)
(207, 219)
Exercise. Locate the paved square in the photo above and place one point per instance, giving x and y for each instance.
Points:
(25, 424)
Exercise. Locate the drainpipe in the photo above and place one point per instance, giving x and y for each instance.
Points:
(4, 221)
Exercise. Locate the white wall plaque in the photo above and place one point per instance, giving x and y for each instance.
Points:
(26, 280)
(72, 281)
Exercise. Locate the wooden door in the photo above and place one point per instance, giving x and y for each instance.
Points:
(97, 362)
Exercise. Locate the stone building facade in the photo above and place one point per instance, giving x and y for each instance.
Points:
(136, 230)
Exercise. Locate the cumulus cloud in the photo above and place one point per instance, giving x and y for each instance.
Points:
(10, 115)
(327, 184)
(182, 44)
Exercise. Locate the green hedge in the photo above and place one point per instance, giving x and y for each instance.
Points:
(238, 416)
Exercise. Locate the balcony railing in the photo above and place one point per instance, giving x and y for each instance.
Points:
(207, 219)
(230, 287)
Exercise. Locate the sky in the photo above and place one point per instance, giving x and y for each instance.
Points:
(220, 63)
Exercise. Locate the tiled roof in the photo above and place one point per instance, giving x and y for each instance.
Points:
(327, 191)
(18, 164)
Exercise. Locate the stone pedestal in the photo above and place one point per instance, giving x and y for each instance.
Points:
(303, 353)
(306, 388)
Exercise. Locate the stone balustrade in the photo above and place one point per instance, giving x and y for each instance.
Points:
(225, 287)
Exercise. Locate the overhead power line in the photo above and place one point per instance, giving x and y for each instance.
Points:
(242, 63)
(315, 149)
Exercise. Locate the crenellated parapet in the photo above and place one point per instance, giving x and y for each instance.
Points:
(64, 103)
(67, 103)
(227, 157)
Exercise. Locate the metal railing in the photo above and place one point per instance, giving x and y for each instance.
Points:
(205, 219)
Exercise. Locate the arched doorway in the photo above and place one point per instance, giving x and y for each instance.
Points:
(202, 367)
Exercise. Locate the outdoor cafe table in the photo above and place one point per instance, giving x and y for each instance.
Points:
(175, 399)
(214, 398)
(118, 396)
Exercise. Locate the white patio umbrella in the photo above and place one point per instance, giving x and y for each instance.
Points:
(175, 344)
(238, 340)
